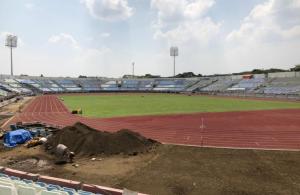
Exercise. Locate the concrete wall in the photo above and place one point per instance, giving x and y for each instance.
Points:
(235, 77)
(282, 74)
(259, 76)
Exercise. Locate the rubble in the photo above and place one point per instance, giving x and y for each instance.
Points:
(86, 141)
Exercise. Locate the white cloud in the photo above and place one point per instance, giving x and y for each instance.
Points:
(64, 38)
(195, 9)
(169, 9)
(268, 37)
(30, 6)
(85, 53)
(105, 35)
(4, 34)
(109, 10)
(61, 61)
(82, 59)
(184, 21)
(270, 21)
(199, 31)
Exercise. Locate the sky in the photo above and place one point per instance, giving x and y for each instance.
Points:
(104, 37)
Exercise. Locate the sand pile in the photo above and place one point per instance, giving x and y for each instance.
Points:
(84, 140)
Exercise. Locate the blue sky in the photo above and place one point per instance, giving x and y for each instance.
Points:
(103, 37)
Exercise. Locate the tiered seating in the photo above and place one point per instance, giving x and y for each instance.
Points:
(146, 85)
(170, 85)
(10, 185)
(14, 85)
(68, 85)
(282, 90)
(3, 93)
(130, 85)
(5, 87)
(110, 85)
(221, 85)
(190, 82)
(203, 82)
(89, 85)
(47, 85)
(283, 86)
(248, 84)
(21, 84)
(32, 84)
(180, 84)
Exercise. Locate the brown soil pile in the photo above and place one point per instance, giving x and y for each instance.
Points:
(84, 140)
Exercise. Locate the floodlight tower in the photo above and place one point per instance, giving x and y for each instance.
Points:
(174, 53)
(11, 42)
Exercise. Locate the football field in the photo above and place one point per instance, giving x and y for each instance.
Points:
(114, 105)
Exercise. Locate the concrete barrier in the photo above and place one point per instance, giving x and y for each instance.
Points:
(101, 189)
(62, 182)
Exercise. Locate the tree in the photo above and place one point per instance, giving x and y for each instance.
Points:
(296, 68)
(187, 75)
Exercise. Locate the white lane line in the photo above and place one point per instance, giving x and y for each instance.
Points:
(11, 118)
(238, 148)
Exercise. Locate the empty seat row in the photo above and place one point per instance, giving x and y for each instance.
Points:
(10, 185)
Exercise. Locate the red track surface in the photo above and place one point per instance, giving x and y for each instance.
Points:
(273, 129)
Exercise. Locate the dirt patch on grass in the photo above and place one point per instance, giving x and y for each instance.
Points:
(86, 141)
(189, 170)
(33, 160)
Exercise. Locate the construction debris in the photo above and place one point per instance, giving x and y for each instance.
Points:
(30, 134)
(13, 138)
(78, 111)
(75, 165)
(63, 154)
(35, 142)
(86, 141)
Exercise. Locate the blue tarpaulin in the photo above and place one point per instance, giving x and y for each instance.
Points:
(20, 136)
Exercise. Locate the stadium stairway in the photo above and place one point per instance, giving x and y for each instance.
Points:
(200, 84)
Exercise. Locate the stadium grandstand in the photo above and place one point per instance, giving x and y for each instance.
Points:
(273, 84)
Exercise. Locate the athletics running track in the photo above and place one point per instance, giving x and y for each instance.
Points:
(272, 129)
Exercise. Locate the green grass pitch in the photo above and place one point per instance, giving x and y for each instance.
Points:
(155, 104)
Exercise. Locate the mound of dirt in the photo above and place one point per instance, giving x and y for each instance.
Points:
(84, 140)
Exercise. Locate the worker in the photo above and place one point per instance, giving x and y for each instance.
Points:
(64, 154)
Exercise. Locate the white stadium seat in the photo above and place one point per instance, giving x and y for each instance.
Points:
(7, 183)
(24, 190)
(7, 190)
(45, 192)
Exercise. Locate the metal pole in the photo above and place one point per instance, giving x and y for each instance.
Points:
(133, 69)
(174, 65)
(11, 62)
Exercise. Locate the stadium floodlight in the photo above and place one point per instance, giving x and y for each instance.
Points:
(174, 53)
(11, 42)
